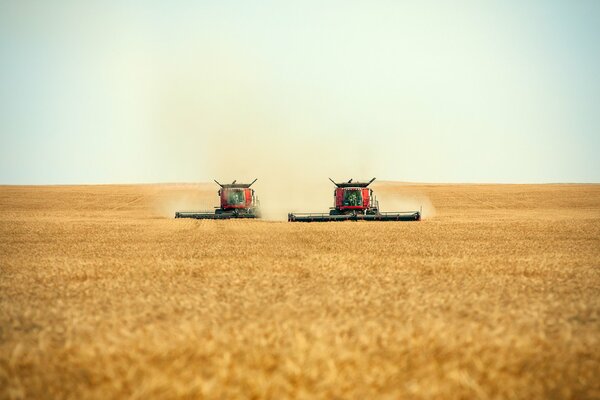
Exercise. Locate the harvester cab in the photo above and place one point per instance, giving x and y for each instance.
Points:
(353, 198)
(237, 200)
(354, 201)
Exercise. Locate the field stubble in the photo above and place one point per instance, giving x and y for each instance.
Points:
(497, 294)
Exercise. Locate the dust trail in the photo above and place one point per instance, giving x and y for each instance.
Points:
(399, 197)
(186, 197)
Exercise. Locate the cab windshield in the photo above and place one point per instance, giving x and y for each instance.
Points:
(236, 196)
(353, 197)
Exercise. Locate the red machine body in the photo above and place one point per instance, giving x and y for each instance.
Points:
(352, 199)
(236, 198)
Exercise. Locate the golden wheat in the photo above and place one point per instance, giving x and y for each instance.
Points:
(496, 296)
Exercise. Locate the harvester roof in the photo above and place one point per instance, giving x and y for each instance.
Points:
(234, 185)
(350, 183)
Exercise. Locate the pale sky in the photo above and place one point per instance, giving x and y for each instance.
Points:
(184, 91)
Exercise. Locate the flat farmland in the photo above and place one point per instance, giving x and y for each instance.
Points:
(496, 294)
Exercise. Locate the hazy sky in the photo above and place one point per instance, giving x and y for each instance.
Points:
(182, 91)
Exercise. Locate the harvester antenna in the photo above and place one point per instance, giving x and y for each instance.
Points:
(371, 181)
(234, 181)
(350, 181)
(332, 181)
(217, 182)
(253, 182)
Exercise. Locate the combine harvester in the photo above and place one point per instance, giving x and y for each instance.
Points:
(354, 201)
(237, 201)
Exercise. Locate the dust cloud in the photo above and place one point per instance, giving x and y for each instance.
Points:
(184, 197)
(292, 173)
(215, 119)
(394, 196)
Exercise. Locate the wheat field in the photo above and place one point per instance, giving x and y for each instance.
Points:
(495, 295)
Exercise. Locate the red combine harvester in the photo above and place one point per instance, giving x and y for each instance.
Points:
(237, 201)
(354, 201)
